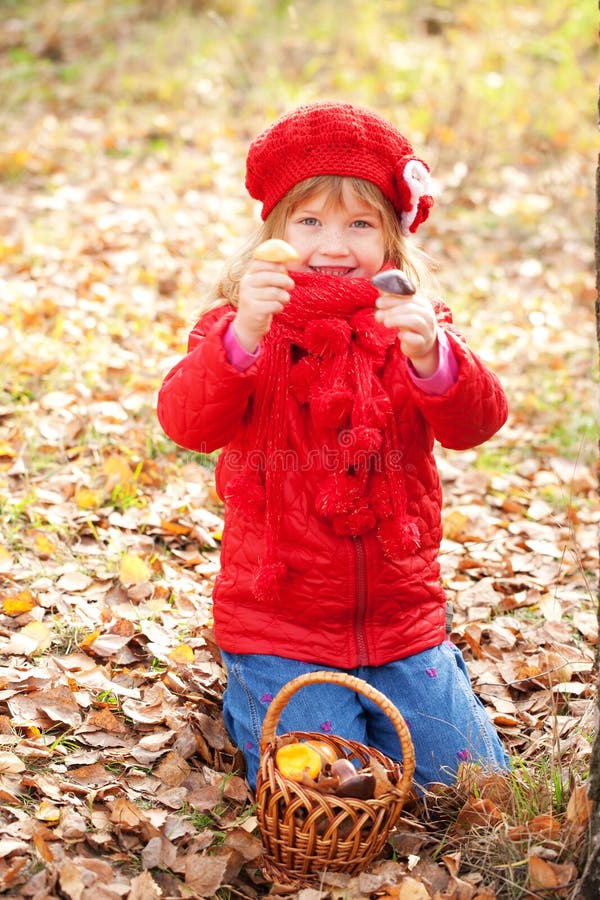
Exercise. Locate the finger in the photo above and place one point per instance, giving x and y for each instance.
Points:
(265, 307)
(269, 295)
(261, 265)
(385, 301)
(411, 302)
(262, 280)
(404, 319)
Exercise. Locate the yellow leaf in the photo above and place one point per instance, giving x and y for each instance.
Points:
(117, 471)
(7, 450)
(455, 525)
(39, 636)
(174, 527)
(133, 570)
(6, 560)
(47, 812)
(44, 545)
(86, 498)
(182, 654)
(89, 639)
(22, 602)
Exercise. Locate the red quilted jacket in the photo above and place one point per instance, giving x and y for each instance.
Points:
(343, 602)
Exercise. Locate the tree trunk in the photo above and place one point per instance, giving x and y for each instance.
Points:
(589, 886)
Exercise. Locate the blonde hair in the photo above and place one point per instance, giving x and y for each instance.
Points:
(398, 252)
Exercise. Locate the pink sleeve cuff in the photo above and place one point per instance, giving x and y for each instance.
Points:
(239, 358)
(447, 370)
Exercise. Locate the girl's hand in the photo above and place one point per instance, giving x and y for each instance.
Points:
(414, 319)
(264, 291)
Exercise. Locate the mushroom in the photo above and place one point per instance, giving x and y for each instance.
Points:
(393, 281)
(275, 250)
(353, 783)
(295, 759)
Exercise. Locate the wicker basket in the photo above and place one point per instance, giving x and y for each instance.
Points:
(305, 831)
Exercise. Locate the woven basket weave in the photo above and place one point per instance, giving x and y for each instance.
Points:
(305, 831)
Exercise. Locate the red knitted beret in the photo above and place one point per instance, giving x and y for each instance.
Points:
(338, 139)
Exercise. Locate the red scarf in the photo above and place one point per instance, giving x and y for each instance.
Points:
(331, 319)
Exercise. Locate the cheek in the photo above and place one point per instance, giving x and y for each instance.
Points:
(377, 256)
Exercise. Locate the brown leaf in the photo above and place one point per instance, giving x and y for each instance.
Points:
(548, 876)
(128, 817)
(236, 788)
(248, 845)
(91, 776)
(42, 847)
(107, 644)
(452, 862)
(10, 763)
(412, 889)
(478, 812)
(105, 720)
(71, 880)
(172, 770)
(74, 582)
(61, 706)
(540, 826)
(204, 874)
(159, 853)
(72, 825)
(144, 887)
(579, 807)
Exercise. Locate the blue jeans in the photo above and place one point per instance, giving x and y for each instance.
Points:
(432, 691)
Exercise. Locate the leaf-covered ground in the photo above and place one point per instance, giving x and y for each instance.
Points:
(125, 128)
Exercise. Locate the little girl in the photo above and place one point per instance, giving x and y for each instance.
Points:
(326, 397)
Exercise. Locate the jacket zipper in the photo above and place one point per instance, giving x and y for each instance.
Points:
(360, 597)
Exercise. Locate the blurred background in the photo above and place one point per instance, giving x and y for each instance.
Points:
(124, 132)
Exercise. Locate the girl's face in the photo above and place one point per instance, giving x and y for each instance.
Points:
(342, 238)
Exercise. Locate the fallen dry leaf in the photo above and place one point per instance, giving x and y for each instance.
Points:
(549, 876)
(19, 603)
(204, 874)
(10, 763)
(133, 570)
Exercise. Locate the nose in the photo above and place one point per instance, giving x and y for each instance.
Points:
(333, 242)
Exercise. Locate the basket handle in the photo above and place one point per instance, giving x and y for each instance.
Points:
(361, 687)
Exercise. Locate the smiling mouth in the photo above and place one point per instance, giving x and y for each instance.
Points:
(332, 270)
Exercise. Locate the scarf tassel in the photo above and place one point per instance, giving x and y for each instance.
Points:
(339, 495)
(398, 538)
(268, 580)
(245, 495)
(329, 409)
(327, 337)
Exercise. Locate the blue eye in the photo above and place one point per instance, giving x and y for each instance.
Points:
(360, 223)
(309, 220)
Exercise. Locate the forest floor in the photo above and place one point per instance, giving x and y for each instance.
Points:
(121, 191)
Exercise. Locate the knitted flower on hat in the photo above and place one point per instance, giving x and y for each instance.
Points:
(339, 139)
